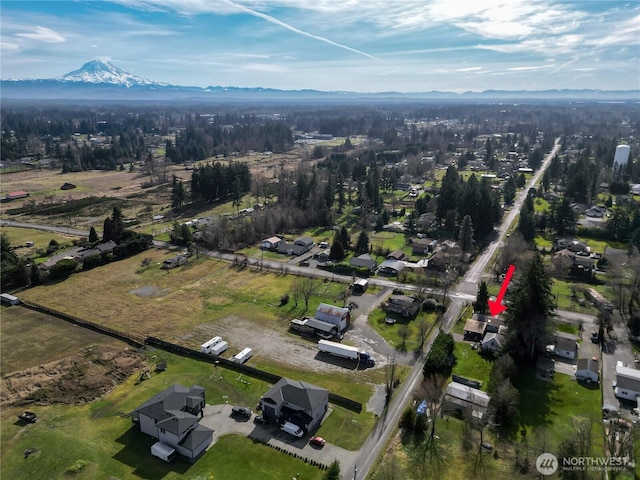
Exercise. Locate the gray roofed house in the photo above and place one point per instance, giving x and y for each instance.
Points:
(296, 401)
(492, 342)
(391, 267)
(298, 247)
(403, 304)
(172, 416)
(363, 261)
(464, 398)
(587, 370)
(566, 345)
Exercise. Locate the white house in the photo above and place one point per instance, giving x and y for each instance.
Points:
(627, 383)
(172, 417)
(566, 345)
(587, 370)
(271, 243)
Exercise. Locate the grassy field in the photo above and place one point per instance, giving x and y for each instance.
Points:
(97, 440)
(29, 339)
(390, 332)
(471, 365)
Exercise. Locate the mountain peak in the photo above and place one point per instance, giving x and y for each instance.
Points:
(103, 72)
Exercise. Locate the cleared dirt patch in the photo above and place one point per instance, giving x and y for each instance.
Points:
(75, 379)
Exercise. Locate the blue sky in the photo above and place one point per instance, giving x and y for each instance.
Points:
(353, 45)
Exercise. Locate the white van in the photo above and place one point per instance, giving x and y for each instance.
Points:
(292, 429)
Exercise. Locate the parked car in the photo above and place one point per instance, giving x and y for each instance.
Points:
(241, 411)
(319, 441)
(27, 417)
(260, 419)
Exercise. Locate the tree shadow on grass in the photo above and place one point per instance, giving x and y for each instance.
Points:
(136, 453)
(536, 399)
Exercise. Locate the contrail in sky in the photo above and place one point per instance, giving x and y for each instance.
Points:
(275, 21)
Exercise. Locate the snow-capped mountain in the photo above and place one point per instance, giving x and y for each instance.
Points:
(99, 72)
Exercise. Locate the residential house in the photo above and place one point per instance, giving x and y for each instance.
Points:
(437, 262)
(474, 330)
(297, 402)
(338, 316)
(421, 246)
(391, 267)
(492, 342)
(396, 255)
(298, 247)
(271, 243)
(172, 416)
(594, 212)
(587, 370)
(403, 304)
(364, 261)
(627, 384)
(465, 399)
(565, 345)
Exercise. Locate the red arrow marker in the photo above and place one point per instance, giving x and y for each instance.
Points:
(496, 307)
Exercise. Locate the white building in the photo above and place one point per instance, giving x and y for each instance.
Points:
(627, 383)
(464, 398)
(622, 155)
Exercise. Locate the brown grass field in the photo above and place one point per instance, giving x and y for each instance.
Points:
(29, 339)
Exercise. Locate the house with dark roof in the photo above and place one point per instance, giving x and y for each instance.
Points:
(396, 255)
(474, 330)
(297, 402)
(172, 416)
(421, 246)
(492, 342)
(565, 345)
(298, 247)
(587, 370)
(391, 267)
(403, 304)
(364, 261)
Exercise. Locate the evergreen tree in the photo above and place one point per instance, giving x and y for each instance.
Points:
(362, 245)
(509, 193)
(482, 298)
(563, 218)
(333, 473)
(465, 238)
(35, 275)
(449, 195)
(336, 251)
(344, 238)
(93, 235)
(526, 224)
(178, 195)
(528, 316)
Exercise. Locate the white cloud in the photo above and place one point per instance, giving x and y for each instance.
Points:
(468, 69)
(43, 34)
(9, 46)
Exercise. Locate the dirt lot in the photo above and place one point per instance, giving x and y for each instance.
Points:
(267, 343)
(78, 378)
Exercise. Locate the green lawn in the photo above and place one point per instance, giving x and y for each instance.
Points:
(390, 332)
(546, 408)
(471, 365)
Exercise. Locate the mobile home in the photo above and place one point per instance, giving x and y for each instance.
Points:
(243, 356)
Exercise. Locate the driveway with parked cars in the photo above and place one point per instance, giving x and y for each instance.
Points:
(223, 421)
